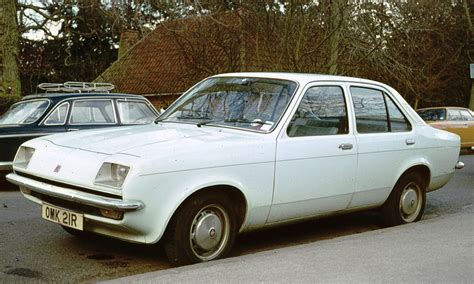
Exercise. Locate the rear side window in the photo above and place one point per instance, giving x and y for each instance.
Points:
(376, 112)
(322, 111)
(466, 115)
(135, 112)
(397, 122)
(92, 112)
(454, 114)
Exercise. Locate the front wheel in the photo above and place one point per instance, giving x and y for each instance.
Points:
(406, 203)
(203, 229)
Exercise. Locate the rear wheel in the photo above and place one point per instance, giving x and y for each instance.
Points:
(203, 229)
(406, 203)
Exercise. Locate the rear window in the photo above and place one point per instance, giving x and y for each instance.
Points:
(24, 112)
(432, 114)
(466, 115)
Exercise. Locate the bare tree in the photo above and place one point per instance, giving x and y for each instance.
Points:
(9, 49)
(336, 23)
(470, 51)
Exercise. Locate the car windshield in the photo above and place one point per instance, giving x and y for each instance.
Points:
(249, 103)
(24, 112)
(432, 114)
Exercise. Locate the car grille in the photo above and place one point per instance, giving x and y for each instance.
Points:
(76, 207)
(68, 186)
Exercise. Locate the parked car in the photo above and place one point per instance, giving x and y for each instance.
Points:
(240, 152)
(74, 106)
(453, 119)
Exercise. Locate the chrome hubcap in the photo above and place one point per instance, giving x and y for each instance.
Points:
(209, 232)
(410, 202)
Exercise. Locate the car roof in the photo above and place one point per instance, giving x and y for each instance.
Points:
(300, 77)
(448, 107)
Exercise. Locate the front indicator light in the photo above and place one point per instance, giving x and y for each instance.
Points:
(111, 174)
(112, 214)
(23, 157)
(25, 190)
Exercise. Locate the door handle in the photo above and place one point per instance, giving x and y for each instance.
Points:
(410, 141)
(73, 129)
(345, 146)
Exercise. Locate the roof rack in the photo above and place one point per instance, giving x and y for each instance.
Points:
(76, 87)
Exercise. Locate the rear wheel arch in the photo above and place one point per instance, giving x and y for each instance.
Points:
(407, 199)
(422, 170)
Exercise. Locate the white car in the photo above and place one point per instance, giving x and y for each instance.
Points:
(240, 152)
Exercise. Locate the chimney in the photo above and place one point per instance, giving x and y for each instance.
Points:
(127, 39)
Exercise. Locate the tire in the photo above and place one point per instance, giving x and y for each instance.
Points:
(203, 229)
(406, 202)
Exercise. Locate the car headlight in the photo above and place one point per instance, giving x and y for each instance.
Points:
(111, 174)
(23, 157)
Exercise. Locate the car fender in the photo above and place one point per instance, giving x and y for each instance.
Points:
(164, 193)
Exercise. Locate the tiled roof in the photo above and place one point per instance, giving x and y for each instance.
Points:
(176, 55)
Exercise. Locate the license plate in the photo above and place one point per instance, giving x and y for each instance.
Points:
(64, 217)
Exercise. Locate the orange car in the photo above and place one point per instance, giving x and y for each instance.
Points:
(453, 119)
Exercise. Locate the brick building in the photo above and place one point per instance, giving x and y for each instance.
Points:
(180, 53)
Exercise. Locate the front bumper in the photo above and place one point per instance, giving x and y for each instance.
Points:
(6, 166)
(75, 196)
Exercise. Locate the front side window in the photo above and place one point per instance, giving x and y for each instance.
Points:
(135, 112)
(92, 112)
(58, 116)
(24, 112)
(376, 112)
(248, 103)
(322, 111)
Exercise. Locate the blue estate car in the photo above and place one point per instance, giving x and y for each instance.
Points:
(73, 106)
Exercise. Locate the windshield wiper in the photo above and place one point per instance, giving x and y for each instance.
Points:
(237, 120)
(199, 124)
(243, 120)
(158, 119)
(182, 118)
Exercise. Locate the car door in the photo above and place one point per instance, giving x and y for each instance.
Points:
(316, 156)
(385, 139)
(467, 137)
(92, 113)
